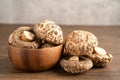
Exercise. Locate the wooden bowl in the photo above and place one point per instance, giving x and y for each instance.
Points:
(34, 59)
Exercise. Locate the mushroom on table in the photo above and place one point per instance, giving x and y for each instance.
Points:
(82, 47)
(75, 64)
(101, 57)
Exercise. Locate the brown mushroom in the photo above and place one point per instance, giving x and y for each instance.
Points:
(76, 64)
(100, 57)
(23, 37)
(49, 31)
(80, 42)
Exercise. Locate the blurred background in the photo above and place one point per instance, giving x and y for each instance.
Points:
(69, 12)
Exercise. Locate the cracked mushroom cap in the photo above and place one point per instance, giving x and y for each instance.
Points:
(23, 37)
(76, 64)
(49, 31)
(100, 57)
(80, 42)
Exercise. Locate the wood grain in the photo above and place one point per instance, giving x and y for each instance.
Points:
(109, 38)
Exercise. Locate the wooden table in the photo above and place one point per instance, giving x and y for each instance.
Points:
(108, 36)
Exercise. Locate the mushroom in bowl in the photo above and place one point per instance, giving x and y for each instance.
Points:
(30, 52)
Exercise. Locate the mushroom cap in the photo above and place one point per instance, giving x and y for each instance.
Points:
(76, 66)
(49, 31)
(80, 42)
(14, 38)
(101, 60)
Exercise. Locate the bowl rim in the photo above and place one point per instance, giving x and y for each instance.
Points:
(9, 45)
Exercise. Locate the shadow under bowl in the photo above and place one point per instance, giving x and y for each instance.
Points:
(34, 59)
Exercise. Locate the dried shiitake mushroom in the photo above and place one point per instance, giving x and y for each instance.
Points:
(80, 42)
(100, 57)
(83, 47)
(49, 31)
(23, 37)
(76, 64)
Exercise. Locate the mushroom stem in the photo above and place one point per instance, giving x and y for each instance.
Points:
(27, 36)
(74, 58)
(100, 51)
